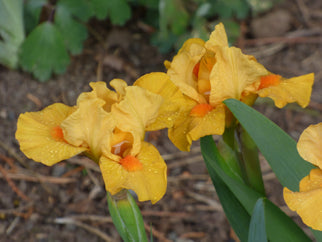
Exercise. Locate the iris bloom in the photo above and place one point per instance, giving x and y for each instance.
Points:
(308, 201)
(209, 72)
(109, 127)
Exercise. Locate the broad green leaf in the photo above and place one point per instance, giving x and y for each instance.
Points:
(81, 9)
(32, 9)
(73, 32)
(11, 31)
(279, 226)
(257, 231)
(230, 8)
(119, 11)
(44, 52)
(173, 16)
(277, 147)
(318, 235)
(236, 214)
(100, 8)
(126, 216)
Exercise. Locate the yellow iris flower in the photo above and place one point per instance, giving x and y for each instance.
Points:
(308, 201)
(109, 127)
(209, 72)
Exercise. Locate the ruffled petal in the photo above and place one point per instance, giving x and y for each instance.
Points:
(137, 110)
(149, 183)
(119, 85)
(218, 38)
(159, 83)
(113, 173)
(312, 181)
(307, 203)
(296, 89)
(232, 73)
(213, 123)
(181, 127)
(180, 70)
(309, 145)
(40, 135)
(89, 126)
(188, 128)
(100, 91)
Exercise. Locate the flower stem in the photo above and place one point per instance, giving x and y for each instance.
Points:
(250, 161)
(126, 216)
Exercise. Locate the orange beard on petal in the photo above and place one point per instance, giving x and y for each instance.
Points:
(269, 80)
(57, 133)
(131, 163)
(200, 110)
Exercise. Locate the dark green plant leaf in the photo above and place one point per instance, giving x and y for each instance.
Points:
(32, 9)
(230, 8)
(119, 11)
(279, 226)
(257, 231)
(81, 9)
(73, 32)
(100, 8)
(44, 52)
(11, 31)
(236, 214)
(318, 235)
(173, 16)
(126, 216)
(278, 148)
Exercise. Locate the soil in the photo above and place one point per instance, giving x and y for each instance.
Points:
(65, 203)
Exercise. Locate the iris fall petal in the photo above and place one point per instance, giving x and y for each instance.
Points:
(41, 137)
(307, 202)
(296, 89)
(149, 183)
(309, 145)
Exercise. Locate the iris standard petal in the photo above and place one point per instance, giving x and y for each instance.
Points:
(218, 38)
(180, 70)
(137, 110)
(231, 74)
(89, 126)
(159, 83)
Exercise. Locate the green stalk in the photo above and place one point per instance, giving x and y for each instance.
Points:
(250, 160)
(235, 159)
(126, 216)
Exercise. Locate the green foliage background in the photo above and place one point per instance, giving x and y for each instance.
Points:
(39, 35)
